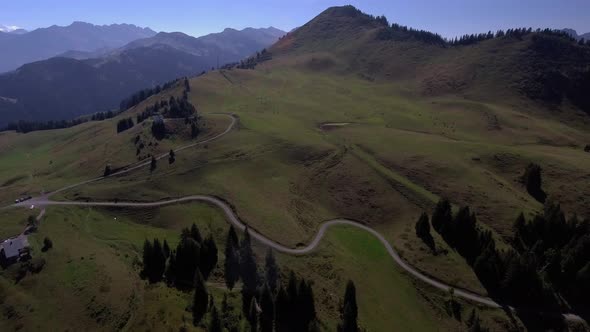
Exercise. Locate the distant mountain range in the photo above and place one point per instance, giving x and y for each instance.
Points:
(574, 34)
(83, 82)
(20, 47)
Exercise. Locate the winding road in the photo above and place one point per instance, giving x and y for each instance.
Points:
(44, 200)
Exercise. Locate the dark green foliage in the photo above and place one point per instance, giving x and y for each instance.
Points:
(124, 124)
(208, 256)
(154, 261)
(100, 116)
(532, 181)
(187, 261)
(587, 148)
(158, 128)
(349, 310)
(107, 171)
(442, 215)
(252, 314)
(267, 309)
(248, 269)
(232, 259)
(271, 271)
(47, 244)
(196, 234)
(423, 231)
(200, 299)
(215, 323)
(282, 310)
(179, 108)
(295, 306)
(171, 157)
(402, 33)
(187, 86)
(23, 126)
(166, 249)
(144, 94)
(153, 164)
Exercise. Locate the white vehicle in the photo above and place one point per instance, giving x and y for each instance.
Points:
(32, 207)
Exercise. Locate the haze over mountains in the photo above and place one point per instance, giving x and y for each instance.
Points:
(92, 79)
(43, 43)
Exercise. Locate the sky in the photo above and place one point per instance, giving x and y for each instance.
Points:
(198, 17)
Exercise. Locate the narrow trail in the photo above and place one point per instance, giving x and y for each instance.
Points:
(44, 201)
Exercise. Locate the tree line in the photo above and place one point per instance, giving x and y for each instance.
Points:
(144, 94)
(547, 256)
(124, 124)
(250, 62)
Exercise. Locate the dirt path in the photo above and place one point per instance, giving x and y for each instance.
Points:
(43, 201)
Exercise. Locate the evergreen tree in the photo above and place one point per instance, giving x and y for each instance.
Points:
(200, 299)
(215, 323)
(196, 234)
(208, 256)
(171, 269)
(533, 183)
(187, 262)
(171, 157)
(107, 171)
(158, 262)
(349, 310)
(232, 260)
(166, 249)
(423, 231)
(282, 311)
(252, 313)
(271, 270)
(153, 164)
(267, 307)
(248, 269)
(147, 258)
(442, 215)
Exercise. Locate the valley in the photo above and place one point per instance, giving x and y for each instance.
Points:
(330, 148)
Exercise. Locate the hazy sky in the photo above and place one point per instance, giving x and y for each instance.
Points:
(198, 17)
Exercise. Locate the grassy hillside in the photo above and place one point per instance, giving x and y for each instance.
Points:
(413, 122)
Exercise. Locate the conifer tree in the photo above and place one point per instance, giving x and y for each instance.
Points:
(232, 260)
(271, 271)
(215, 323)
(282, 310)
(248, 269)
(267, 309)
(200, 299)
(349, 310)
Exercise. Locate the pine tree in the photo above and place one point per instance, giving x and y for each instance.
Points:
(232, 260)
(187, 262)
(267, 307)
(294, 312)
(159, 262)
(200, 299)
(153, 164)
(271, 270)
(107, 171)
(350, 310)
(171, 269)
(166, 249)
(282, 310)
(147, 258)
(248, 269)
(208, 256)
(252, 313)
(423, 231)
(215, 323)
(196, 234)
(171, 157)
(442, 215)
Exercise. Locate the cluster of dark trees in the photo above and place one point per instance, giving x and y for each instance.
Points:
(251, 62)
(266, 302)
(144, 94)
(510, 33)
(180, 108)
(401, 32)
(124, 124)
(548, 255)
(100, 116)
(151, 110)
(194, 256)
(533, 182)
(23, 126)
(349, 310)
(158, 128)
